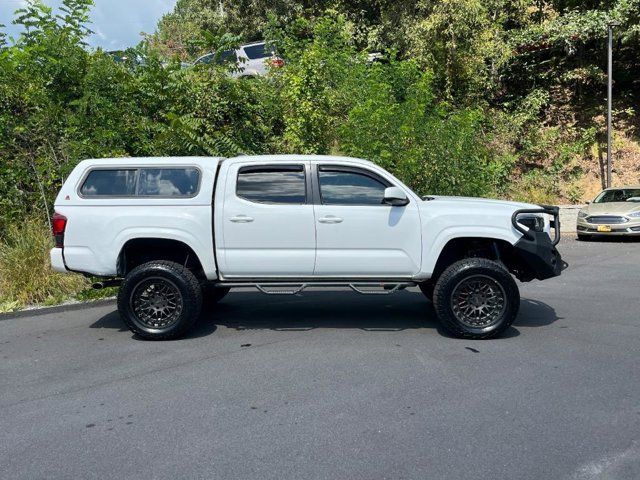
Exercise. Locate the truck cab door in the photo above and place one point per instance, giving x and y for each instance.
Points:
(264, 221)
(358, 236)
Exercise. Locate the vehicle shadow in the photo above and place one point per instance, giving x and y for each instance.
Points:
(246, 310)
(343, 309)
(534, 313)
(113, 321)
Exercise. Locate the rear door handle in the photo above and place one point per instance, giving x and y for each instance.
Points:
(241, 219)
(330, 219)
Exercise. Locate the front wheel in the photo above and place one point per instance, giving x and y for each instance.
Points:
(476, 298)
(160, 300)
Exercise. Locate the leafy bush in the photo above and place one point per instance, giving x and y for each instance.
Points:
(61, 103)
(422, 117)
(432, 147)
(311, 83)
(388, 113)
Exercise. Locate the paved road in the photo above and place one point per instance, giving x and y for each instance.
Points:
(336, 386)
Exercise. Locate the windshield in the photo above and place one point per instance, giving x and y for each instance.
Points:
(619, 195)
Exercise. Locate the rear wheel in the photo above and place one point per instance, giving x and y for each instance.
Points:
(476, 298)
(160, 300)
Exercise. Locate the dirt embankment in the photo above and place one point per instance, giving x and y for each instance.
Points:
(625, 155)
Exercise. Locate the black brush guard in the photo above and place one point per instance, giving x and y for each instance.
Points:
(536, 249)
(549, 210)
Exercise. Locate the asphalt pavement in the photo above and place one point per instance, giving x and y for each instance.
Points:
(336, 386)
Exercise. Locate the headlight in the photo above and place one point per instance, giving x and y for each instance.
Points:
(634, 214)
(582, 214)
(533, 223)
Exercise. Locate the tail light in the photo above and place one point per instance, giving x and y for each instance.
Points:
(277, 62)
(58, 226)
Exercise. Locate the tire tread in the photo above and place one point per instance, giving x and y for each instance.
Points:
(441, 300)
(193, 301)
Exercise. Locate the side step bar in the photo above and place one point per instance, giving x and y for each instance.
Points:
(280, 288)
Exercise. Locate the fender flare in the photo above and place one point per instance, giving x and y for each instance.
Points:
(205, 257)
(434, 251)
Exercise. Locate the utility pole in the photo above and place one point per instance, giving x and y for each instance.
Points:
(610, 26)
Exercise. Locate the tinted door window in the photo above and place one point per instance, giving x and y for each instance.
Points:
(284, 184)
(117, 183)
(350, 188)
(168, 182)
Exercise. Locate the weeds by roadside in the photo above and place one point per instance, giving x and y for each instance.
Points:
(26, 276)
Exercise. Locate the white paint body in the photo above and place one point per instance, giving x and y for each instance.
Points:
(245, 66)
(279, 241)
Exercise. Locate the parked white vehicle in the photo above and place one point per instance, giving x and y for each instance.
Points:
(250, 60)
(176, 231)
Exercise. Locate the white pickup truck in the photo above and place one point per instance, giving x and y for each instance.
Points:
(177, 232)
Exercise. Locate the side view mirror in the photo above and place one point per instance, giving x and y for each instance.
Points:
(395, 197)
(587, 203)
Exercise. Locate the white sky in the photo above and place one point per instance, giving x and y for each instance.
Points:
(117, 23)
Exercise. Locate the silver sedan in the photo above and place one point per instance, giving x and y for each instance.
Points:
(615, 211)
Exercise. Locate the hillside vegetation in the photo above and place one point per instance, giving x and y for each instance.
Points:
(491, 98)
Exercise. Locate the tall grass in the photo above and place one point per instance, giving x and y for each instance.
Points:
(26, 276)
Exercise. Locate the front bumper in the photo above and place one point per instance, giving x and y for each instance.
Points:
(537, 250)
(630, 228)
(541, 257)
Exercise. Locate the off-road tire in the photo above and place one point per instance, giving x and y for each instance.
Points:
(212, 295)
(475, 268)
(181, 279)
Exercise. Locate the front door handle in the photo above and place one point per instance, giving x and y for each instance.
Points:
(241, 219)
(330, 219)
